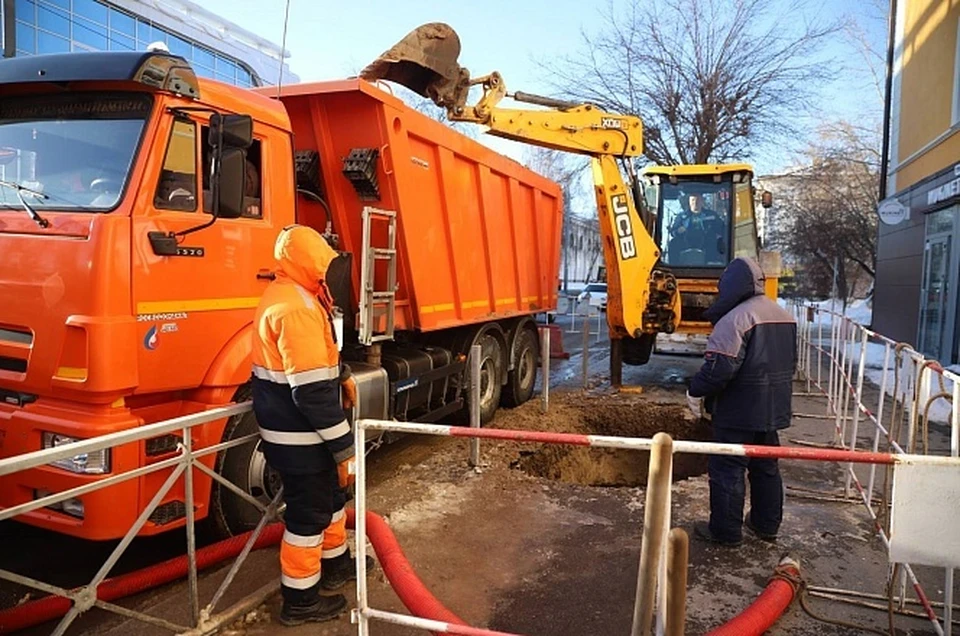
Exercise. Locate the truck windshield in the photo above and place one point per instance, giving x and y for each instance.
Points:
(694, 222)
(76, 149)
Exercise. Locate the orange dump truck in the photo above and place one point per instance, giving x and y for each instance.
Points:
(138, 210)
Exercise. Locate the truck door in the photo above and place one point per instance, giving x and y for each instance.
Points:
(190, 306)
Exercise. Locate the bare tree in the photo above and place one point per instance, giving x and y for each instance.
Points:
(827, 223)
(710, 78)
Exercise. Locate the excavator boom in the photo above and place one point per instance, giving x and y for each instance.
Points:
(643, 300)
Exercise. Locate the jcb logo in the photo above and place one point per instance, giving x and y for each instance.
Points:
(611, 122)
(621, 218)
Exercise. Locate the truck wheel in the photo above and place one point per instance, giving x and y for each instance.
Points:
(246, 467)
(491, 377)
(521, 380)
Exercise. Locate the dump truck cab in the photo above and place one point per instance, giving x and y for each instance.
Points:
(106, 161)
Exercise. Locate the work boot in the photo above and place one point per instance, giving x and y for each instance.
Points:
(763, 536)
(701, 530)
(323, 608)
(338, 571)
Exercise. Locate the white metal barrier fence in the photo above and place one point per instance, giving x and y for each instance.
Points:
(651, 607)
(183, 464)
(835, 355)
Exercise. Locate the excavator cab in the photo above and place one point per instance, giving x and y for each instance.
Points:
(704, 218)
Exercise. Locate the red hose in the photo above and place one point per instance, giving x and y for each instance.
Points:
(415, 596)
(404, 581)
(769, 606)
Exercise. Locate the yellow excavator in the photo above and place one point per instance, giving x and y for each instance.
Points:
(665, 239)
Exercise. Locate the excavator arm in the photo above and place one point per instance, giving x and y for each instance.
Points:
(642, 299)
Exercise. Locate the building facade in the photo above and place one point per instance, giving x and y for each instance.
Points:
(918, 260)
(582, 255)
(215, 47)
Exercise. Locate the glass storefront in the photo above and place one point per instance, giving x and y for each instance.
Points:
(62, 26)
(938, 335)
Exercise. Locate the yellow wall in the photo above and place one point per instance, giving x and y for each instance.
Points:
(927, 85)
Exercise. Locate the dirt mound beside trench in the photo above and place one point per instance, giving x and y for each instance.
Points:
(616, 415)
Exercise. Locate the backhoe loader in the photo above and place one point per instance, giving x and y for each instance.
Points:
(666, 238)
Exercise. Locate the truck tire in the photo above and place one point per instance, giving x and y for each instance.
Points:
(491, 376)
(523, 378)
(246, 467)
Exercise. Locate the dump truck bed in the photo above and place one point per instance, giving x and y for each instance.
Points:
(478, 234)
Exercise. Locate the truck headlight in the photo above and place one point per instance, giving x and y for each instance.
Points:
(96, 463)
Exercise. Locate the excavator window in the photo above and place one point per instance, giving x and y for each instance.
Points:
(694, 223)
(745, 225)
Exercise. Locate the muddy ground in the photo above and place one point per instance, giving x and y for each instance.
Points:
(524, 546)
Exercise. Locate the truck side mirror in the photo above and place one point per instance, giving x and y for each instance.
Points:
(230, 136)
(231, 181)
(231, 131)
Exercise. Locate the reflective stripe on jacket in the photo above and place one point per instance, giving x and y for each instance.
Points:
(296, 365)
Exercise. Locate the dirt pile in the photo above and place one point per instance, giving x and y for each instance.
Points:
(616, 415)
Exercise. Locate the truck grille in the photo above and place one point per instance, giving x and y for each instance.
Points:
(170, 511)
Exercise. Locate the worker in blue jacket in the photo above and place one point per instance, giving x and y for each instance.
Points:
(747, 382)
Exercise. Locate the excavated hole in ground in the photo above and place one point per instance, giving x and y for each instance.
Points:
(614, 467)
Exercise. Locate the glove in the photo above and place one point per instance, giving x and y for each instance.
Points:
(347, 472)
(349, 388)
(695, 404)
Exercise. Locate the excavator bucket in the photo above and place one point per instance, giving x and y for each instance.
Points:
(425, 61)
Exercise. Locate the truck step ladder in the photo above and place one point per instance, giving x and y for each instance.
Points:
(377, 303)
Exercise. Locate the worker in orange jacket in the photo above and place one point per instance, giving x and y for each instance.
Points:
(297, 383)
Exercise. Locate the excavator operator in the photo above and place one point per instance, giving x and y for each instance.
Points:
(697, 234)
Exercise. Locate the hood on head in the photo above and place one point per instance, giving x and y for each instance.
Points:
(742, 279)
(304, 256)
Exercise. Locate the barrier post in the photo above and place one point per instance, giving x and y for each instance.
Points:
(359, 615)
(654, 517)
(191, 529)
(575, 303)
(475, 353)
(678, 550)
(856, 407)
(586, 352)
(876, 433)
(545, 362)
(820, 350)
(832, 361)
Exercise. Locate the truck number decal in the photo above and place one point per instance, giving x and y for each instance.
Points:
(621, 218)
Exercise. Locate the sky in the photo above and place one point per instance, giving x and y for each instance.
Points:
(332, 40)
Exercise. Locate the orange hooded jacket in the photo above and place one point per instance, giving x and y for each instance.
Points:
(296, 365)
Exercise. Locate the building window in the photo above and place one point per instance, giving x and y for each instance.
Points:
(60, 26)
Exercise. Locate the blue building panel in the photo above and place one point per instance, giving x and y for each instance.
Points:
(58, 26)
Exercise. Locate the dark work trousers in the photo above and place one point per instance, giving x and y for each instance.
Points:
(728, 490)
(312, 500)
